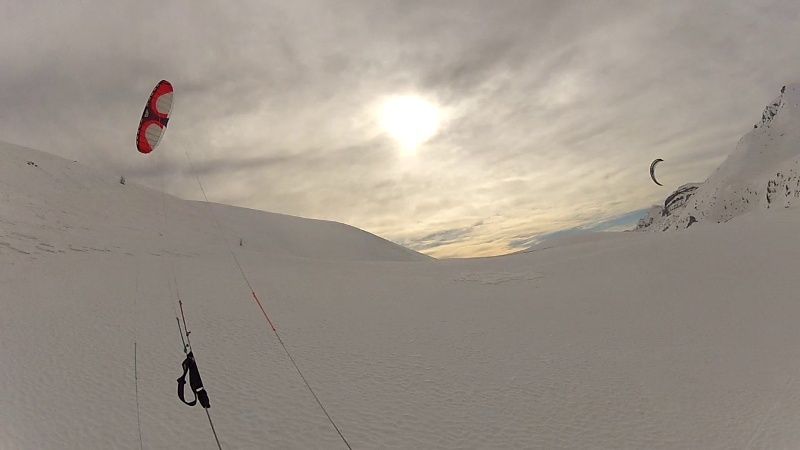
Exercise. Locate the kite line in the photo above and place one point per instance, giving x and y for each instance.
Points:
(152, 125)
(258, 302)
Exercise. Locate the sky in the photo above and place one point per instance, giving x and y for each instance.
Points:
(550, 112)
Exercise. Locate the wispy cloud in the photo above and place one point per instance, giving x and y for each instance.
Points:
(622, 222)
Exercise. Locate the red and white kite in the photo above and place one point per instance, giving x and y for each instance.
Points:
(155, 117)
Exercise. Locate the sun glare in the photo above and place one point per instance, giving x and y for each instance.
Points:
(410, 120)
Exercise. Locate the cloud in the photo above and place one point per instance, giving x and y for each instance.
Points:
(554, 109)
(441, 238)
(622, 222)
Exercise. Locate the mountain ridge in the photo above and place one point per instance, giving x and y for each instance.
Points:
(763, 172)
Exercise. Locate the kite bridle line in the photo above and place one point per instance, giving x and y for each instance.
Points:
(171, 278)
(258, 302)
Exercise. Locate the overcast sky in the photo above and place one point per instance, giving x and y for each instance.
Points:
(552, 110)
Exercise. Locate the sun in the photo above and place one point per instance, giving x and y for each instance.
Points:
(410, 120)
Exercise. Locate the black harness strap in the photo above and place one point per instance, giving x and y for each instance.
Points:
(195, 382)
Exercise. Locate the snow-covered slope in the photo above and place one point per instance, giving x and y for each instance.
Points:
(70, 204)
(643, 340)
(761, 173)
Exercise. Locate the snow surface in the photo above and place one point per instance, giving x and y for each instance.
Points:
(643, 340)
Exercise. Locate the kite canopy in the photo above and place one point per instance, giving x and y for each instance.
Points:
(653, 170)
(155, 117)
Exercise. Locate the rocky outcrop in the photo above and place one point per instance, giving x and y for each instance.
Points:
(678, 199)
(783, 189)
(771, 110)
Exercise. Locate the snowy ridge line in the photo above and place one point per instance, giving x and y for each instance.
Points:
(255, 297)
